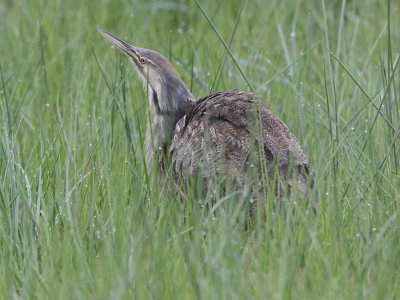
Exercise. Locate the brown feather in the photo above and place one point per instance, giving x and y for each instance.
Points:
(219, 132)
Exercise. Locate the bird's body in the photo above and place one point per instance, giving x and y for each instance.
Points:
(219, 133)
(227, 135)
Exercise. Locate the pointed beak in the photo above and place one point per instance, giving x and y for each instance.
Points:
(120, 44)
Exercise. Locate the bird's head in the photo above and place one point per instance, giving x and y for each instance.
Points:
(168, 95)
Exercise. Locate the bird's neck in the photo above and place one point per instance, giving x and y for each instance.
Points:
(158, 139)
(160, 127)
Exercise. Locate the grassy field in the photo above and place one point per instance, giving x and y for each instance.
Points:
(80, 220)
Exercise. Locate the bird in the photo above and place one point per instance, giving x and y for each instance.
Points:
(227, 134)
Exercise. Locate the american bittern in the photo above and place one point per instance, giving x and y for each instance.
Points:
(215, 134)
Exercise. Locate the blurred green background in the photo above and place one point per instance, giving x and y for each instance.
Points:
(80, 220)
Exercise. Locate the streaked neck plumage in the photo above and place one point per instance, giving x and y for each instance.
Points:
(167, 104)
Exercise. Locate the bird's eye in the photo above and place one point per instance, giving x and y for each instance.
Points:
(142, 60)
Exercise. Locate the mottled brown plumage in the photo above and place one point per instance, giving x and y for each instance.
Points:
(228, 135)
(219, 132)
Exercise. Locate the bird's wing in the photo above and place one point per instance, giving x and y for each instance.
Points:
(218, 132)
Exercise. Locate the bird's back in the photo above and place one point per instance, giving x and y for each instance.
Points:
(231, 134)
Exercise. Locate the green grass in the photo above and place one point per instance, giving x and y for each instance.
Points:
(80, 220)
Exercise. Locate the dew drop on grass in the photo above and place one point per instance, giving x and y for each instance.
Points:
(293, 34)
